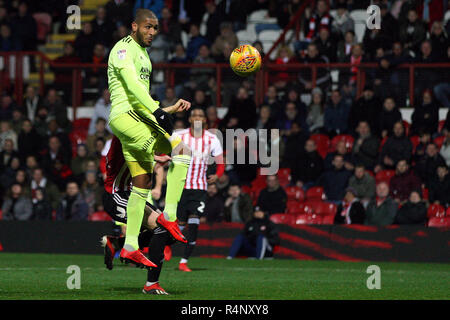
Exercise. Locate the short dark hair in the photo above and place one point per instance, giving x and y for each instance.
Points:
(142, 14)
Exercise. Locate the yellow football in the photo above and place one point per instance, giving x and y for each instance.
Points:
(245, 60)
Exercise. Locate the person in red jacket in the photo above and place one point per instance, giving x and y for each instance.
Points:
(404, 182)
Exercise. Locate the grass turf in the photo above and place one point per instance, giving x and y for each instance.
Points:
(43, 276)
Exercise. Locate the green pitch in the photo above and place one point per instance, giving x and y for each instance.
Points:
(43, 276)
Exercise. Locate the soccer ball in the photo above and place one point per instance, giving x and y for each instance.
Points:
(245, 60)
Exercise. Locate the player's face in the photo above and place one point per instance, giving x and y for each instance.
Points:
(146, 31)
(197, 116)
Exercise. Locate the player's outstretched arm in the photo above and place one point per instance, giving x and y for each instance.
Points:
(179, 106)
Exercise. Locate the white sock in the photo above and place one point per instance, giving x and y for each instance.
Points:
(183, 260)
(148, 284)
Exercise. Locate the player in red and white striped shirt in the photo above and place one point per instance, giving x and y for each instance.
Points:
(204, 145)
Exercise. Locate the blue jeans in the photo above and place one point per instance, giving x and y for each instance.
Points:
(242, 244)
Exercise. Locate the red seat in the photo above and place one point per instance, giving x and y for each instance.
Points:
(293, 207)
(81, 124)
(447, 212)
(284, 176)
(295, 193)
(99, 216)
(383, 141)
(322, 142)
(406, 125)
(439, 222)
(306, 218)
(415, 140)
(384, 175)
(348, 139)
(282, 218)
(425, 194)
(76, 137)
(439, 141)
(315, 193)
(324, 208)
(435, 210)
(441, 125)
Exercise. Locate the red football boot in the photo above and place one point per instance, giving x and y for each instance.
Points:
(136, 257)
(172, 227)
(184, 267)
(154, 289)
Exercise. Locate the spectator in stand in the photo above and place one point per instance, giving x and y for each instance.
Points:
(60, 173)
(42, 209)
(397, 147)
(8, 153)
(200, 76)
(426, 78)
(308, 167)
(170, 98)
(31, 163)
(320, 18)
(238, 205)
(390, 114)
(445, 148)
(363, 184)
(365, 147)
(120, 33)
(195, 42)
(226, 36)
(40, 181)
(366, 108)
(6, 132)
(335, 181)
(101, 110)
(349, 77)
(22, 179)
(32, 102)
(72, 206)
(258, 238)
(84, 43)
(323, 78)
(25, 28)
(9, 41)
(213, 19)
(79, 163)
(291, 116)
(103, 27)
(316, 112)
(427, 166)
(120, 12)
(54, 151)
(425, 117)
(214, 205)
(439, 187)
(414, 211)
(389, 24)
(170, 29)
(96, 76)
(100, 132)
(16, 206)
(342, 22)
(153, 5)
(293, 145)
(6, 108)
(336, 115)
(180, 75)
(439, 40)
(442, 89)
(242, 109)
(344, 46)
(372, 41)
(419, 151)
(212, 118)
(326, 45)
(413, 32)
(265, 120)
(351, 211)
(28, 140)
(284, 56)
(341, 149)
(17, 120)
(8, 174)
(294, 97)
(200, 99)
(91, 191)
(57, 109)
(403, 182)
(273, 198)
(382, 210)
(271, 99)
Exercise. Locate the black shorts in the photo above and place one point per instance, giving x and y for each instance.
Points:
(192, 202)
(115, 205)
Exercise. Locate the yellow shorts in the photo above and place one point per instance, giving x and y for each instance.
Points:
(140, 138)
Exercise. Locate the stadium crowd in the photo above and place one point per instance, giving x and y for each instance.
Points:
(353, 150)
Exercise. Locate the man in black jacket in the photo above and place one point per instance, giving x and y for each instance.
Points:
(273, 198)
(308, 167)
(365, 147)
(351, 211)
(258, 238)
(397, 147)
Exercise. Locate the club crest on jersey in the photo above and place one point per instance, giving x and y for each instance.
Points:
(121, 54)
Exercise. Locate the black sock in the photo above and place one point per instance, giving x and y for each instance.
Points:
(191, 237)
(156, 252)
(144, 238)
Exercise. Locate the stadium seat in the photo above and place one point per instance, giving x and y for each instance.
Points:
(425, 194)
(439, 141)
(441, 123)
(315, 193)
(439, 222)
(282, 218)
(447, 212)
(284, 176)
(293, 207)
(99, 216)
(323, 208)
(384, 175)
(415, 140)
(258, 16)
(322, 142)
(348, 139)
(81, 124)
(295, 193)
(435, 210)
(76, 137)
(306, 218)
(406, 125)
